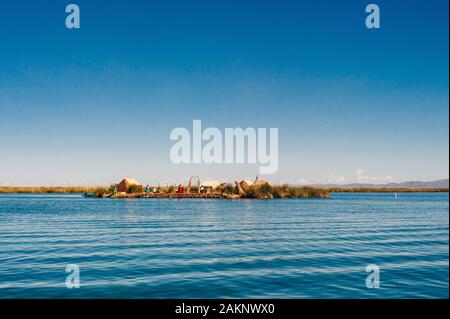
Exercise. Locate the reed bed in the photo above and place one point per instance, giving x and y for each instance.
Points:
(50, 190)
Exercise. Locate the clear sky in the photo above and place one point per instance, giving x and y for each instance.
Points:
(93, 105)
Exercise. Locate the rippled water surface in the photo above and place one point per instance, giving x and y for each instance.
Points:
(158, 248)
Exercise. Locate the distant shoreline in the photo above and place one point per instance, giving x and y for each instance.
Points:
(97, 189)
(387, 190)
(49, 189)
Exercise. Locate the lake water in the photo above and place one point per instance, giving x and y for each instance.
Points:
(171, 248)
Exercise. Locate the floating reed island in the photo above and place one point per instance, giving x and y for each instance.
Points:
(130, 188)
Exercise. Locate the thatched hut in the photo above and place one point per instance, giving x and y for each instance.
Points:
(126, 183)
(210, 185)
(245, 184)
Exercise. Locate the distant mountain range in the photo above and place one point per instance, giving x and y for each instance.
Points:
(442, 183)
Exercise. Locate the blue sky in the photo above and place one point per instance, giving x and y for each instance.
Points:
(89, 106)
